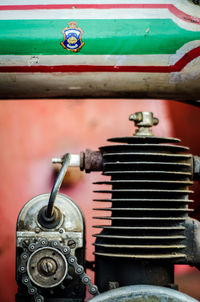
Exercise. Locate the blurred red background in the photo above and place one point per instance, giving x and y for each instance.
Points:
(34, 131)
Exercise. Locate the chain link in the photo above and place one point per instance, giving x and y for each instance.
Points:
(72, 260)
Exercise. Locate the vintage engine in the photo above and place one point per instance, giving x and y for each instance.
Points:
(146, 234)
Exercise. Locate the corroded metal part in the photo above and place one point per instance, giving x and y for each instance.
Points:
(143, 293)
(144, 121)
(91, 161)
(41, 262)
(71, 224)
(47, 267)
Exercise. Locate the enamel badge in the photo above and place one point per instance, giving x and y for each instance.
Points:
(72, 39)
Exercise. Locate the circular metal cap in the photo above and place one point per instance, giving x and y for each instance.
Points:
(143, 293)
(47, 267)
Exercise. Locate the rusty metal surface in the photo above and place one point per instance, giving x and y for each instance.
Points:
(91, 161)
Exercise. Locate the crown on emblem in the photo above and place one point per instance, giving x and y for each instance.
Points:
(72, 24)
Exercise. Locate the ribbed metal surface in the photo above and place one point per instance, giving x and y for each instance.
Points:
(149, 186)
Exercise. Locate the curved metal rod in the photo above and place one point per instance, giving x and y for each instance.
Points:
(57, 184)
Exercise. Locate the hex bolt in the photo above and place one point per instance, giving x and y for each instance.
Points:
(71, 244)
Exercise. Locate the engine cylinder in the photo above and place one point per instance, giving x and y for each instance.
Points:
(146, 229)
(149, 179)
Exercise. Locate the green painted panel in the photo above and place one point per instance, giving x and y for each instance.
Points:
(114, 37)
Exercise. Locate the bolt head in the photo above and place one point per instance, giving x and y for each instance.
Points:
(71, 244)
(48, 266)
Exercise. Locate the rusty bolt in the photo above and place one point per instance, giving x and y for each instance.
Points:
(48, 266)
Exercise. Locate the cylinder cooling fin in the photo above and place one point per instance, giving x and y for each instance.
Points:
(148, 180)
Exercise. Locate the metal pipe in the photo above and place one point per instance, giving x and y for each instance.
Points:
(65, 164)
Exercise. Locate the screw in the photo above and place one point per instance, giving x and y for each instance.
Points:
(61, 231)
(48, 266)
(55, 243)
(71, 244)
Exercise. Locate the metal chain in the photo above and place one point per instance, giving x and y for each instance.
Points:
(72, 260)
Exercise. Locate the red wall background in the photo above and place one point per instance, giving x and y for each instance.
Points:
(34, 131)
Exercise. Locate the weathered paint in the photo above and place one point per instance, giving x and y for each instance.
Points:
(129, 47)
(101, 37)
